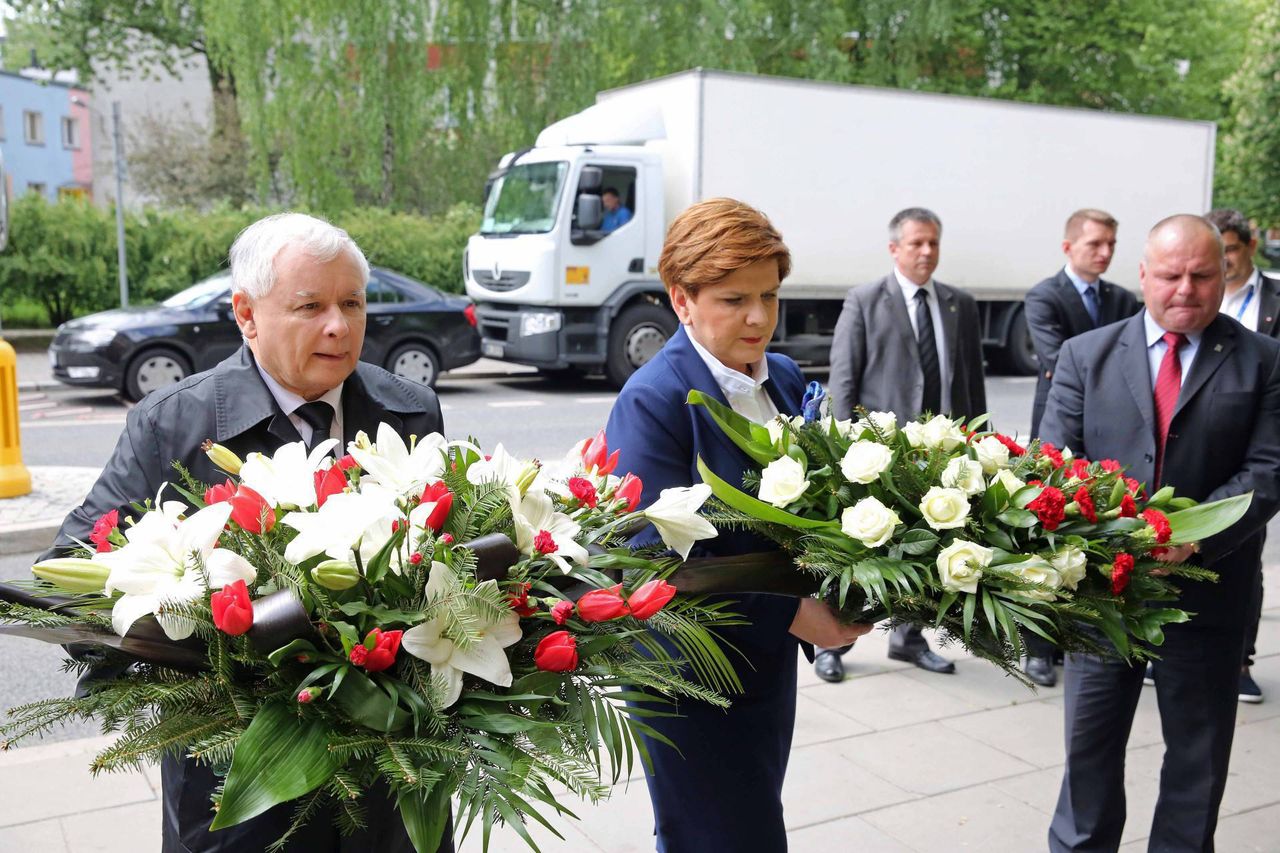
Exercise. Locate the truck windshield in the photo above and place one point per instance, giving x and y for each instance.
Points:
(524, 200)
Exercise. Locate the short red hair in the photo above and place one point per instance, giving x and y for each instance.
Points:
(713, 238)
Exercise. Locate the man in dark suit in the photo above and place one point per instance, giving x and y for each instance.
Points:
(1057, 309)
(1188, 398)
(1253, 299)
(298, 295)
(907, 344)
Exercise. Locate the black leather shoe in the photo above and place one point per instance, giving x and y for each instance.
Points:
(1041, 671)
(925, 659)
(829, 666)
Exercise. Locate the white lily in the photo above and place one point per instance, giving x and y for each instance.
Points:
(675, 515)
(287, 477)
(500, 467)
(483, 658)
(162, 563)
(535, 515)
(390, 462)
(347, 521)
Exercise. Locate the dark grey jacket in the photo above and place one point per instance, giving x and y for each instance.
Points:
(874, 362)
(231, 405)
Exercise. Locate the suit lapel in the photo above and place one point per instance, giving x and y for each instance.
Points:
(896, 306)
(1268, 306)
(1109, 295)
(691, 372)
(950, 326)
(242, 401)
(1137, 370)
(1073, 303)
(1216, 344)
(361, 412)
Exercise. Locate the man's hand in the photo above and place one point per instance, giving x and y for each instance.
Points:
(817, 623)
(1178, 554)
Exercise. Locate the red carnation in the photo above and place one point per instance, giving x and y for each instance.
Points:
(1015, 449)
(1085, 503)
(1159, 524)
(519, 600)
(557, 652)
(1035, 482)
(544, 543)
(1134, 487)
(602, 605)
(650, 598)
(439, 494)
(415, 559)
(347, 462)
(562, 611)
(232, 609)
(1121, 569)
(584, 491)
(1110, 465)
(329, 482)
(1048, 451)
(1128, 509)
(102, 529)
(1050, 507)
(218, 494)
(358, 654)
(1080, 469)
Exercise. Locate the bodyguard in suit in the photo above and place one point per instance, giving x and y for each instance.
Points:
(907, 344)
(1252, 299)
(298, 288)
(1188, 398)
(1061, 307)
(722, 264)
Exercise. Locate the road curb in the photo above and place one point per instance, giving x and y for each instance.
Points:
(24, 538)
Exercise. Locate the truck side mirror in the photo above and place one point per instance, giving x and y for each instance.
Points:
(590, 179)
(590, 212)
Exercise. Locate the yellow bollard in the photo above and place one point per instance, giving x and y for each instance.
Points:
(15, 479)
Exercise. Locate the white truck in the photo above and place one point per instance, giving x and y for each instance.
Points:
(557, 287)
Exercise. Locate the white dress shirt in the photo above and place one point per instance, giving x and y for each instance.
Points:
(909, 289)
(1243, 304)
(746, 394)
(289, 403)
(1156, 348)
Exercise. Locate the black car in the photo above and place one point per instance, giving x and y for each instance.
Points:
(413, 330)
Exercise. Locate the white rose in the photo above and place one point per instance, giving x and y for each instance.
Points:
(1067, 454)
(960, 565)
(914, 431)
(864, 460)
(869, 521)
(964, 474)
(941, 432)
(1036, 570)
(774, 426)
(782, 482)
(1071, 565)
(886, 422)
(1006, 478)
(945, 509)
(992, 454)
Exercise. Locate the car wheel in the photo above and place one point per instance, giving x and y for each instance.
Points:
(415, 361)
(635, 337)
(154, 369)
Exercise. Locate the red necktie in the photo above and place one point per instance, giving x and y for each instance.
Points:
(1168, 384)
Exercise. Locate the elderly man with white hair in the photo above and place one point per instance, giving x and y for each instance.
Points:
(299, 299)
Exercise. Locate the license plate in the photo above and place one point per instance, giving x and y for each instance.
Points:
(492, 349)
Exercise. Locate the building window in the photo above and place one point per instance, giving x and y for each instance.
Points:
(33, 127)
(37, 187)
(72, 192)
(70, 132)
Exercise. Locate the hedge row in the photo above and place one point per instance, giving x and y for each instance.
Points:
(63, 255)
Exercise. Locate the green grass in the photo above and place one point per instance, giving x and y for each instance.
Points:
(23, 313)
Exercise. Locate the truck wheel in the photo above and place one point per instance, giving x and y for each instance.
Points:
(152, 370)
(636, 336)
(1019, 351)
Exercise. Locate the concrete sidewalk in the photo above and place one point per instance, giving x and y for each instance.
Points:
(893, 759)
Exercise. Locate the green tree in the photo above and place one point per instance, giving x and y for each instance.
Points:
(1250, 178)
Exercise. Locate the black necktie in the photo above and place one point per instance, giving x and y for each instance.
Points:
(927, 345)
(319, 416)
(1091, 303)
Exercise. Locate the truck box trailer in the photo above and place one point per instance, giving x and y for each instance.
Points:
(829, 164)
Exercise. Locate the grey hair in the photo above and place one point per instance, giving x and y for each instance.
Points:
(1227, 219)
(253, 254)
(912, 214)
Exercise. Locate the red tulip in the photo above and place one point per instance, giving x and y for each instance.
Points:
(630, 490)
(595, 454)
(232, 609)
(383, 653)
(439, 494)
(601, 605)
(329, 482)
(251, 511)
(650, 598)
(102, 529)
(562, 611)
(218, 494)
(558, 652)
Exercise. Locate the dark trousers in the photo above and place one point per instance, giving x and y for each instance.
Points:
(1255, 610)
(1196, 690)
(907, 638)
(1037, 646)
(187, 785)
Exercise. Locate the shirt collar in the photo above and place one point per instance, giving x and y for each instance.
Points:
(909, 287)
(732, 382)
(1080, 283)
(1155, 333)
(289, 402)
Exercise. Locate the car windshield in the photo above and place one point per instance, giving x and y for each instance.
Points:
(198, 294)
(524, 200)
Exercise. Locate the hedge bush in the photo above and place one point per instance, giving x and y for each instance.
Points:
(63, 255)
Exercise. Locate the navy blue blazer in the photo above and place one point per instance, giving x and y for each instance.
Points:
(722, 790)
